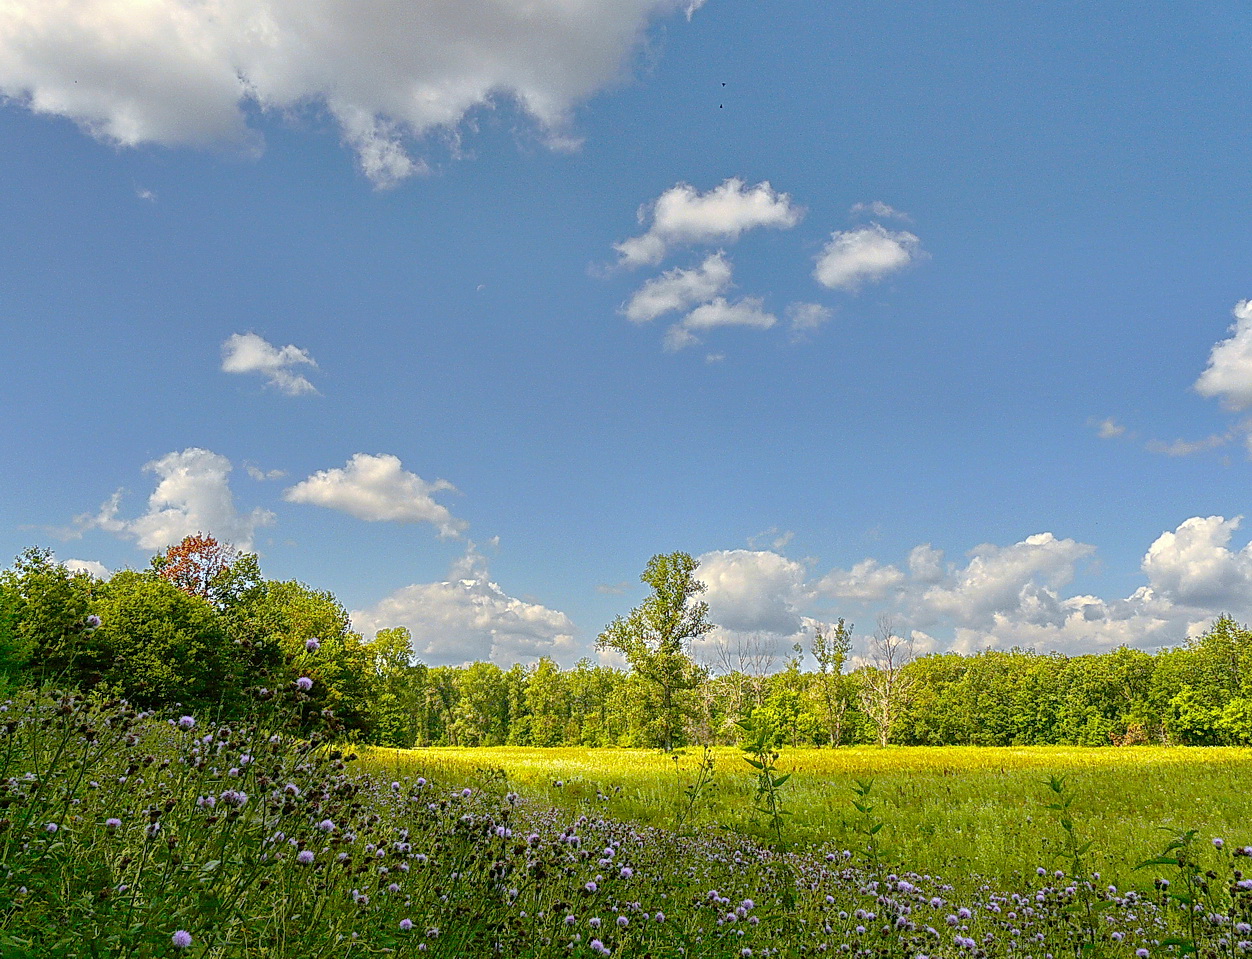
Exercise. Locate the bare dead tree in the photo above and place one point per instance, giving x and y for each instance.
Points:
(885, 686)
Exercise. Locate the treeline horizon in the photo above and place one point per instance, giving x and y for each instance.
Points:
(202, 628)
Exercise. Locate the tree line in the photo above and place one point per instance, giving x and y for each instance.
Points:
(202, 627)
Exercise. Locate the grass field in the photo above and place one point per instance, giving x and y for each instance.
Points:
(952, 810)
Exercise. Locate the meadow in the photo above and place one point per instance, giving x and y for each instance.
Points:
(133, 833)
(960, 811)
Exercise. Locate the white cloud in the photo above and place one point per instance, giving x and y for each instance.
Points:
(1108, 429)
(261, 475)
(178, 73)
(249, 353)
(683, 215)
(679, 289)
(377, 488)
(467, 617)
(865, 582)
(1229, 373)
(926, 563)
(1000, 578)
(1188, 447)
(752, 590)
(867, 254)
(192, 496)
(806, 317)
(98, 570)
(1193, 566)
(755, 599)
(881, 210)
(748, 312)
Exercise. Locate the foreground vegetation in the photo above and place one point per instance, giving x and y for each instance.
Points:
(129, 834)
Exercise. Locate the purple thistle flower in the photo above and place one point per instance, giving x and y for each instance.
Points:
(304, 684)
(93, 621)
(181, 939)
(51, 827)
(305, 857)
(406, 924)
(186, 722)
(112, 823)
(312, 645)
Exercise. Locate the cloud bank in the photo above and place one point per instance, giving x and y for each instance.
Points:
(467, 617)
(175, 73)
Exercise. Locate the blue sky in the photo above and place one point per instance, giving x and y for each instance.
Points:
(463, 312)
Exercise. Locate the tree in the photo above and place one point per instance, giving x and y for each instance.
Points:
(196, 565)
(656, 637)
(831, 650)
(884, 683)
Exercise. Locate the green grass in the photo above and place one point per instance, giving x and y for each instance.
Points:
(948, 810)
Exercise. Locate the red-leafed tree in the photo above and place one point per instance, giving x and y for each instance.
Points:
(195, 564)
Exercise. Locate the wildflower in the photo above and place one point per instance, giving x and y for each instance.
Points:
(406, 925)
(186, 722)
(181, 939)
(467, 792)
(312, 645)
(1141, 953)
(112, 823)
(326, 825)
(1218, 842)
(92, 621)
(51, 827)
(623, 922)
(304, 684)
(591, 887)
(627, 872)
(598, 947)
(152, 830)
(305, 857)
(594, 922)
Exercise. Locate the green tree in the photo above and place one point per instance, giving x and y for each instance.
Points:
(45, 610)
(834, 690)
(656, 637)
(164, 645)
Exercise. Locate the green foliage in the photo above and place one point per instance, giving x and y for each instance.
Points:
(656, 637)
(760, 754)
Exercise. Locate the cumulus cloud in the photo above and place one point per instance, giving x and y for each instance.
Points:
(866, 581)
(682, 215)
(1193, 565)
(468, 618)
(378, 488)
(867, 254)
(193, 495)
(748, 312)
(755, 599)
(249, 353)
(187, 74)
(1228, 375)
(679, 289)
(98, 570)
(997, 577)
(926, 563)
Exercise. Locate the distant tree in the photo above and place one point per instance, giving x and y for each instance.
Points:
(831, 650)
(196, 564)
(656, 637)
(885, 685)
(45, 627)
